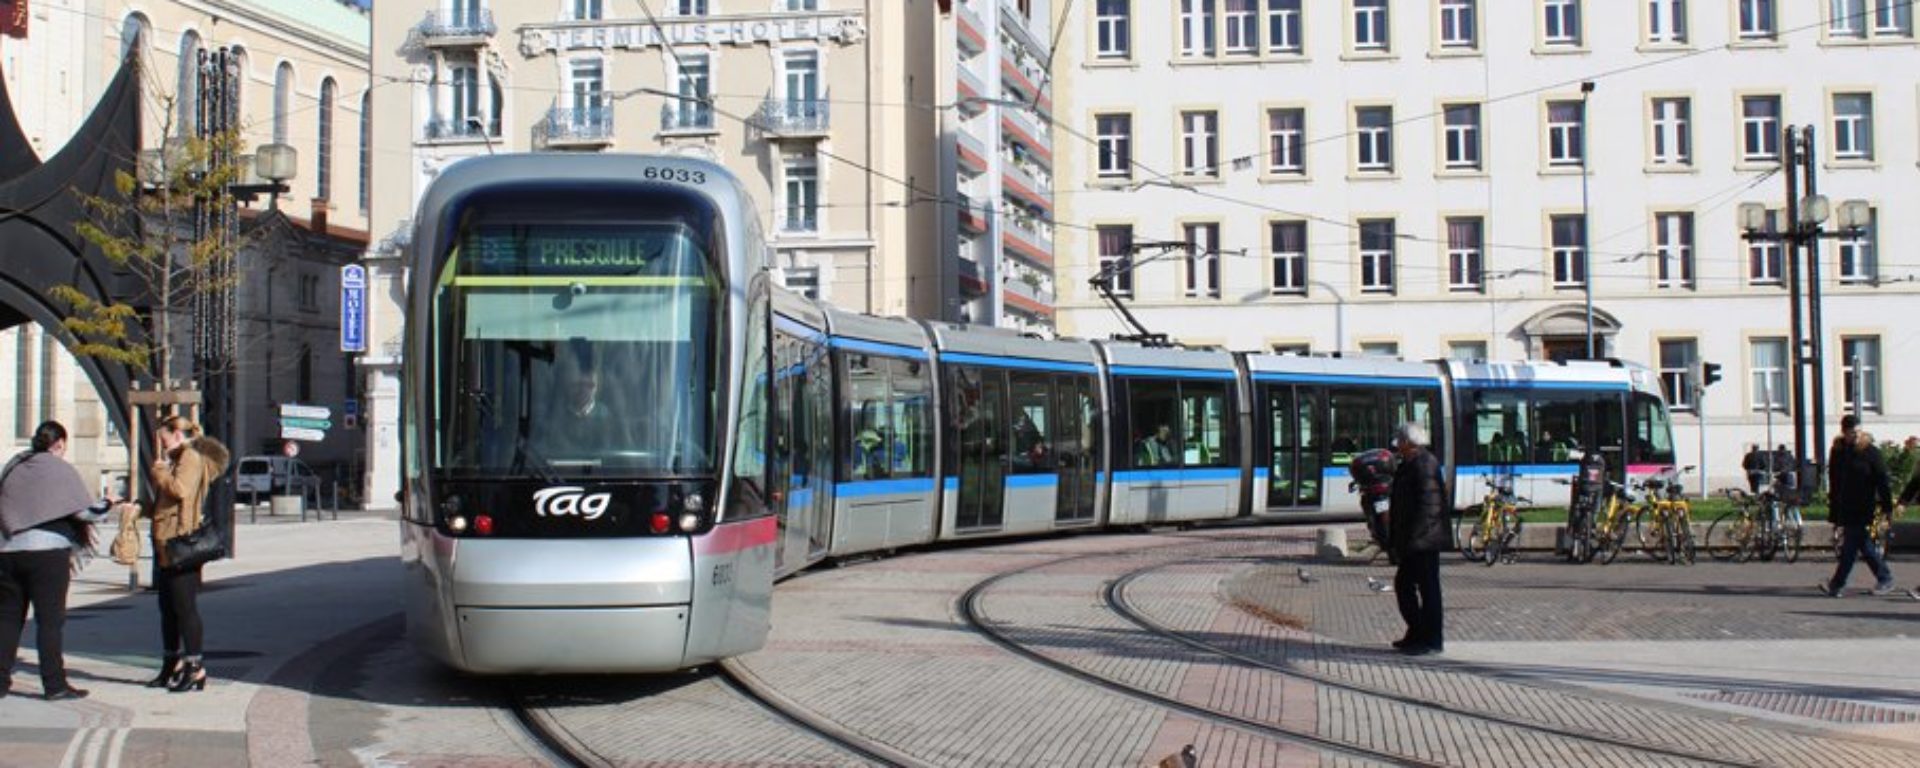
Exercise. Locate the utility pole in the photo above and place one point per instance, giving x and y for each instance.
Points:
(1815, 346)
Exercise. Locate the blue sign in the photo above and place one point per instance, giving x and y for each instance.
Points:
(353, 308)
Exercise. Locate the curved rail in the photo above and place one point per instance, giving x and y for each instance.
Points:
(1115, 596)
(747, 685)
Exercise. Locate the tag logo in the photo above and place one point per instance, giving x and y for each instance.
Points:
(570, 501)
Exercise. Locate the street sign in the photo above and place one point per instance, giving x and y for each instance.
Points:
(305, 423)
(299, 433)
(296, 411)
(351, 407)
(290, 448)
(353, 308)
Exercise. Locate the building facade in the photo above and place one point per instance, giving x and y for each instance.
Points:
(302, 81)
(1427, 178)
(997, 160)
(804, 100)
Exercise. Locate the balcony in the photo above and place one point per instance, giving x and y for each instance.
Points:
(972, 152)
(1020, 127)
(1026, 242)
(972, 219)
(793, 118)
(457, 28)
(967, 272)
(684, 117)
(969, 28)
(1025, 298)
(456, 129)
(1021, 184)
(578, 127)
(968, 86)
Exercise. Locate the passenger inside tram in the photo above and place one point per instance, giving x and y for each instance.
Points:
(1156, 450)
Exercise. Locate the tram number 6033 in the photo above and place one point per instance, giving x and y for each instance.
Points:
(682, 175)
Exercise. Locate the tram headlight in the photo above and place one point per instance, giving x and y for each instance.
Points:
(694, 503)
(689, 522)
(457, 524)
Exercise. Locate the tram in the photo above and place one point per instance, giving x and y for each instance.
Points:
(618, 434)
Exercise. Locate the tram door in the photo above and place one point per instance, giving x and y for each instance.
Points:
(980, 400)
(786, 486)
(1076, 427)
(1294, 465)
(813, 422)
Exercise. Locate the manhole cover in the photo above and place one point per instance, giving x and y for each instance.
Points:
(1814, 707)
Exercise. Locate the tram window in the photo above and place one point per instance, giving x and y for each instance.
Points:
(912, 442)
(1357, 422)
(1652, 432)
(749, 458)
(973, 420)
(1153, 411)
(1203, 415)
(1500, 427)
(870, 429)
(1610, 430)
(1561, 421)
(1029, 396)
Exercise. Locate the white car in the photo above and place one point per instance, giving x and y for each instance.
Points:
(273, 475)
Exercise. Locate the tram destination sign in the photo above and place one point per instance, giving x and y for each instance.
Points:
(570, 250)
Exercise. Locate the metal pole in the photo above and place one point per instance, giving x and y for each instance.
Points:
(1586, 224)
(1700, 412)
(1791, 241)
(1816, 346)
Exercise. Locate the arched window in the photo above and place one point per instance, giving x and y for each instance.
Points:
(366, 151)
(282, 101)
(323, 153)
(239, 58)
(188, 93)
(136, 32)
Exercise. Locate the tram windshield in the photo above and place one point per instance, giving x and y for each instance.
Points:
(578, 348)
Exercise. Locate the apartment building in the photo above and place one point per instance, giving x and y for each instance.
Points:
(301, 81)
(997, 158)
(1427, 178)
(808, 102)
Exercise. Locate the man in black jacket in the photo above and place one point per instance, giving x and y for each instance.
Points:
(1418, 532)
(1857, 486)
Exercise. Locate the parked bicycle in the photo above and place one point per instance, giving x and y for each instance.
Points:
(1492, 537)
(1760, 527)
(1664, 522)
(1618, 510)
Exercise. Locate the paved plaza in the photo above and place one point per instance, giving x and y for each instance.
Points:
(1098, 650)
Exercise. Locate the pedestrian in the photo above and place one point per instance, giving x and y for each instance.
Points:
(1857, 486)
(1418, 532)
(189, 462)
(46, 527)
(1755, 463)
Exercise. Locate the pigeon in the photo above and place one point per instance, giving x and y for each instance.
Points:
(1305, 578)
(1185, 758)
(1378, 585)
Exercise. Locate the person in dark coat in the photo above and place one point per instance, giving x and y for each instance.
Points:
(1755, 463)
(46, 519)
(1418, 531)
(1857, 486)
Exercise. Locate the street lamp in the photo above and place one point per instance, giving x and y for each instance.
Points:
(1803, 227)
(1586, 217)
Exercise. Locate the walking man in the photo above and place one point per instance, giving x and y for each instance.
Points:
(1858, 486)
(1418, 532)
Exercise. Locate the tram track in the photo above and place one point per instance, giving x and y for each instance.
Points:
(1114, 594)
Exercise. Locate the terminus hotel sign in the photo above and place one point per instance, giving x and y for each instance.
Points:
(844, 28)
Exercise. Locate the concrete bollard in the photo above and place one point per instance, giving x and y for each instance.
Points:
(1333, 543)
(292, 504)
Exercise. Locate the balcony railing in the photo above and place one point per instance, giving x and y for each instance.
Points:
(1033, 246)
(457, 26)
(579, 126)
(448, 128)
(1030, 131)
(686, 117)
(794, 117)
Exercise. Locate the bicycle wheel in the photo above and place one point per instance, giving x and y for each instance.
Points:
(1724, 539)
(1683, 546)
(1608, 537)
(1792, 536)
(1493, 541)
(1468, 549)
(1652, 535)
(1883, 538)
(1474, 547)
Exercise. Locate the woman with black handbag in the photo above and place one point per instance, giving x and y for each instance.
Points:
(46, 529)
(189, 462)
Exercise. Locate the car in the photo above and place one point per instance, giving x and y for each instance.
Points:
(273, 476)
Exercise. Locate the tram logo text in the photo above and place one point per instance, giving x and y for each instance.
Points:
(570, 501)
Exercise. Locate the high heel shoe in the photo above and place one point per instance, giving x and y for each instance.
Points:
(168, 668)
(191, 677)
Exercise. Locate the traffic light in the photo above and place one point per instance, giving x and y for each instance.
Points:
(1709, 373)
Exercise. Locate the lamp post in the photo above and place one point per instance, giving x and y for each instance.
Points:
(1803, 227)
(1586, 218)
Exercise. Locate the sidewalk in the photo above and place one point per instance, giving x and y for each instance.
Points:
(271, 615)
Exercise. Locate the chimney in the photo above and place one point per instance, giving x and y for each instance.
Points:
(319, 219)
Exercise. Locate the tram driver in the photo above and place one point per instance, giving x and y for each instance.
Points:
(582, 427)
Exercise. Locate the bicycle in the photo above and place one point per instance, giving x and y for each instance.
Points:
(1491, 539)
(1617, 510)
(1879, 534)
(1761, 527)
(1669, 538)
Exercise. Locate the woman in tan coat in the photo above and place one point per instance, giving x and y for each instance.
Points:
(189, 462)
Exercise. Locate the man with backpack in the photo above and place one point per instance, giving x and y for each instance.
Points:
(1418, 533)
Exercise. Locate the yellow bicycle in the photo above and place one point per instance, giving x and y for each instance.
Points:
(1879, 534)
(1664, 523)
(1491, 539)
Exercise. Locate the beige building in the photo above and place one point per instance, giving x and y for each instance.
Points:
(807, 101)
(303, 82)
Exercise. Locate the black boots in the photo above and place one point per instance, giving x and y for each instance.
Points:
(191, 677)
(168, 666)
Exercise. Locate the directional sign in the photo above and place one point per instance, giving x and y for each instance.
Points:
(304, 423)
(353, 308)
(298, 433)
(297, 411)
